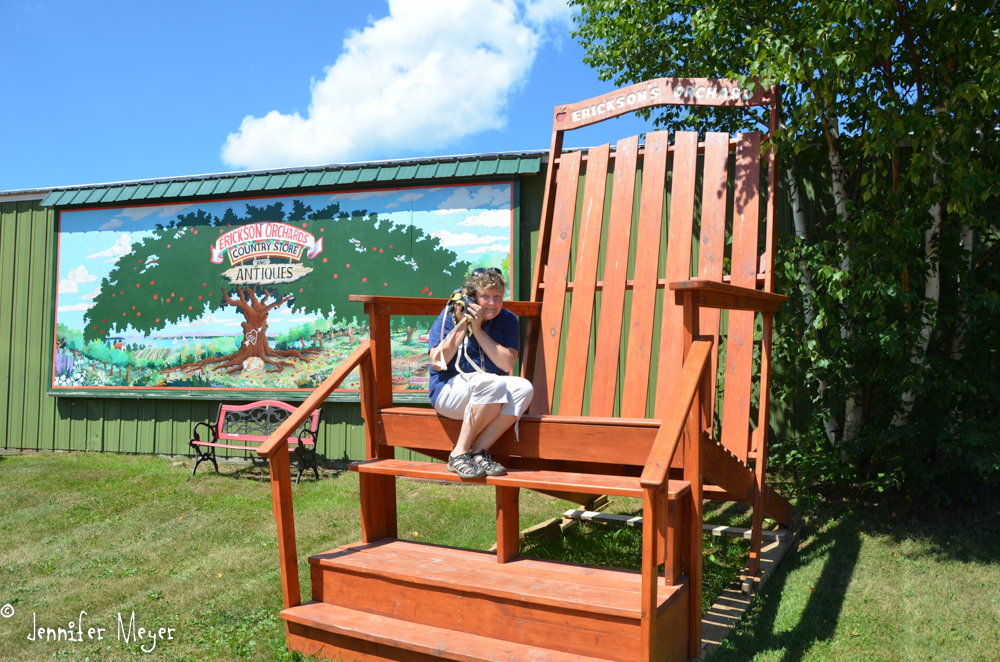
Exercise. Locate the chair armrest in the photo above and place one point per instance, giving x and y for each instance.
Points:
(211, 430)
(384, 305)
(654, 474)
(712, 294)
(312, 434)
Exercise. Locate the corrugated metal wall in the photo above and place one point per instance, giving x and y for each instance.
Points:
(32, 420)
(29, 419)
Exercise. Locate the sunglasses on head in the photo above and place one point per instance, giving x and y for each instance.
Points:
(488, 270)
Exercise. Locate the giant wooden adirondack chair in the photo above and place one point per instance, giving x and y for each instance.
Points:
(588, 432)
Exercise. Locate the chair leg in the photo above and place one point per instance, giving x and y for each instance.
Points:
(756, 530)
(314, 463)
(298, 464)
(508, 528)
(202, 456)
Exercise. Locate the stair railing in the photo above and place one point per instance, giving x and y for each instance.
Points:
(275, 450)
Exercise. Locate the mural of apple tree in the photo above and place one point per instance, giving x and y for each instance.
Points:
(183, 273)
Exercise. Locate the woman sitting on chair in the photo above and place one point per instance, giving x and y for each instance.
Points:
(473, 347)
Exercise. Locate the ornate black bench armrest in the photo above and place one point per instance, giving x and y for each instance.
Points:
(211, 431)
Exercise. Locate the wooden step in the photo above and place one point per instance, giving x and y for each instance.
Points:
(339, 633)
(531, 479)
(584, 610)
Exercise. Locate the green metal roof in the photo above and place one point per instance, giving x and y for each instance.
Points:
(449, 167)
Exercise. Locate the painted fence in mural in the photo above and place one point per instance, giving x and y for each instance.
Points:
(252, 294)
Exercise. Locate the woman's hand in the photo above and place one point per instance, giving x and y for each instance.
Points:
(474, 314)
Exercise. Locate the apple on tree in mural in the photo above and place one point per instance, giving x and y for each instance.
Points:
(310, 261)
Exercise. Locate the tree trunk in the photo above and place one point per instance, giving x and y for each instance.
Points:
(928, 315)
(255, 342)
(958, 341)
(409, 333)
(853, 409)
(350, 334)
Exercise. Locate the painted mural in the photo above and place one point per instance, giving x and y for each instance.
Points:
(253, 293)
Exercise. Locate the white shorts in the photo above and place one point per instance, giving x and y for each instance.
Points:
(463, 391)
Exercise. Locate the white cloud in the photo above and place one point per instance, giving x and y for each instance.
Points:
(460, 200)
(139, 213)
(210, 319)
(113, 224)
(392, 205)
(425, 76)
(453, 239)
(543, 12)
(491, 218)
(77, 275)
(75, 307)
(359, 196)
(92, 295)
(503, 248)
(411, 197)
(123, 246)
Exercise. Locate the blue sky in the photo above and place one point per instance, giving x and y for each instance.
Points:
(111, 91)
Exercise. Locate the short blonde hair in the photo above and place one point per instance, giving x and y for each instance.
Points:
(486, 279)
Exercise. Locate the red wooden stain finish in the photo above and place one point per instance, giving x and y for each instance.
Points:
(609, 330)
(556, 277)
(582, 310)
(739, 347)
(385, 599)
(640, 337)
(713, 238)
(678, 261)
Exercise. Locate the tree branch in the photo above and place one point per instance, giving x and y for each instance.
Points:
(239, 303)
(908, 37)
(278, 302)
(252, 293)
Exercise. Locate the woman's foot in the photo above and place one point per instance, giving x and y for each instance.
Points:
(465, 466)
(488, 464)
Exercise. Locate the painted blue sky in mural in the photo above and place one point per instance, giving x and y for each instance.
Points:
(473, 221)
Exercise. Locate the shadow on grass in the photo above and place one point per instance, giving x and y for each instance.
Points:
(261, 473)
(839, 541)
(786, 623)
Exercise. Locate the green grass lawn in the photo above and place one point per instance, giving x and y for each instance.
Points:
(110, 534)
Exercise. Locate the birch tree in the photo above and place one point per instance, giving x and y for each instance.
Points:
(891, 106)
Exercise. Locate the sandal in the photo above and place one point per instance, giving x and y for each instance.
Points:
(465, 467)
(492, 467)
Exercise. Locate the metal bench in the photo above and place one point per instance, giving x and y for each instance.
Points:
(246, 427)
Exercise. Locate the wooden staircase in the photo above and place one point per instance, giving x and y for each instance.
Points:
(401, 600)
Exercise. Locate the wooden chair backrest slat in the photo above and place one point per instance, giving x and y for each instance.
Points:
(557, 273)
(581, 314)
(712, 248)
(739, 345)
(609, 329)
(647, 258)
(678, 263)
